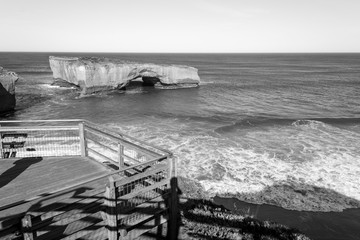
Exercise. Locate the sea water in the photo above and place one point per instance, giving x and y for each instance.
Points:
(280, 129)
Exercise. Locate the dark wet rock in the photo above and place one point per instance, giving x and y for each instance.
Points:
(7, 90)
(62, 83)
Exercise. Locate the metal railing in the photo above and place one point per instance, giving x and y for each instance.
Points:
(77, 137)
(34, 139)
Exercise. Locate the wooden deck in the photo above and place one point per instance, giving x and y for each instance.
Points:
(25, 178)
(70, 197)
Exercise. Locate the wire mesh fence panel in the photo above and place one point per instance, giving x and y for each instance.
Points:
(100, 147)
(133, 155)
(39, 143)
(142, 193)
(105, 147)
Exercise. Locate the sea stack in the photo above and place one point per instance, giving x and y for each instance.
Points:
(100, 74)
(7, 90)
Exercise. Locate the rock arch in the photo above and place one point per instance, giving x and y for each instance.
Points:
(96, 74)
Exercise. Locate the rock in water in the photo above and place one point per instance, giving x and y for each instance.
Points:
(7, 90)
(99, 74)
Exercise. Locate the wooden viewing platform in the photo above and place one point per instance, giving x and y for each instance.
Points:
(71, 179)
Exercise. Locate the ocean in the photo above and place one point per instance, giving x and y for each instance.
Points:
(278, 129)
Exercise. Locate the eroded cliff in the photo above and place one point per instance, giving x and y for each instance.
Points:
(7, 90)
(98, 74)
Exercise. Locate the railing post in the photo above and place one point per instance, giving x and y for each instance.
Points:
(83, 145)
(1, 151)
(26, 226)
(111, 212)
(121, 156)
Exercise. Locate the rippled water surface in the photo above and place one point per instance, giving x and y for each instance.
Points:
(282, 129)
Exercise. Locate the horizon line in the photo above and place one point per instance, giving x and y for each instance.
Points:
(185, 52)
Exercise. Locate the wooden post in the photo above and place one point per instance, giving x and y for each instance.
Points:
(1, 151)
(111, 212)
(26, 225)
(159, 230)
(83, 145)
(121, 156)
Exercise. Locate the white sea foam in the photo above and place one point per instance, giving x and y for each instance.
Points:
(308, 165)
(54, 87)
(135, 91)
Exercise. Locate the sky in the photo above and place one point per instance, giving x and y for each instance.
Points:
(230, 26)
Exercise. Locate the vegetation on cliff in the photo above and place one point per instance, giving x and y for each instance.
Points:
(202, 219)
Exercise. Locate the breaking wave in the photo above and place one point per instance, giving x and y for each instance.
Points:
(301, 157)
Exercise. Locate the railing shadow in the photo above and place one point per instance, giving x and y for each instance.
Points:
(51, 217)
(19, 167)
(84, 211)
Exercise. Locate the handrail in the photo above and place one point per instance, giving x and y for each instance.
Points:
(118, 139)
(132, 138)
(35, 128)
(60, 191)
(37, 121)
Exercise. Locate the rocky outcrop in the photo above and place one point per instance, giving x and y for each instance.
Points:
(7, 90)
(98, 74)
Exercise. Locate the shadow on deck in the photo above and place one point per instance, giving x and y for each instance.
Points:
(19, 166)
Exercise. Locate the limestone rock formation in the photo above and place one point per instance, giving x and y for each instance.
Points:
(98, 74)
(7, 90)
